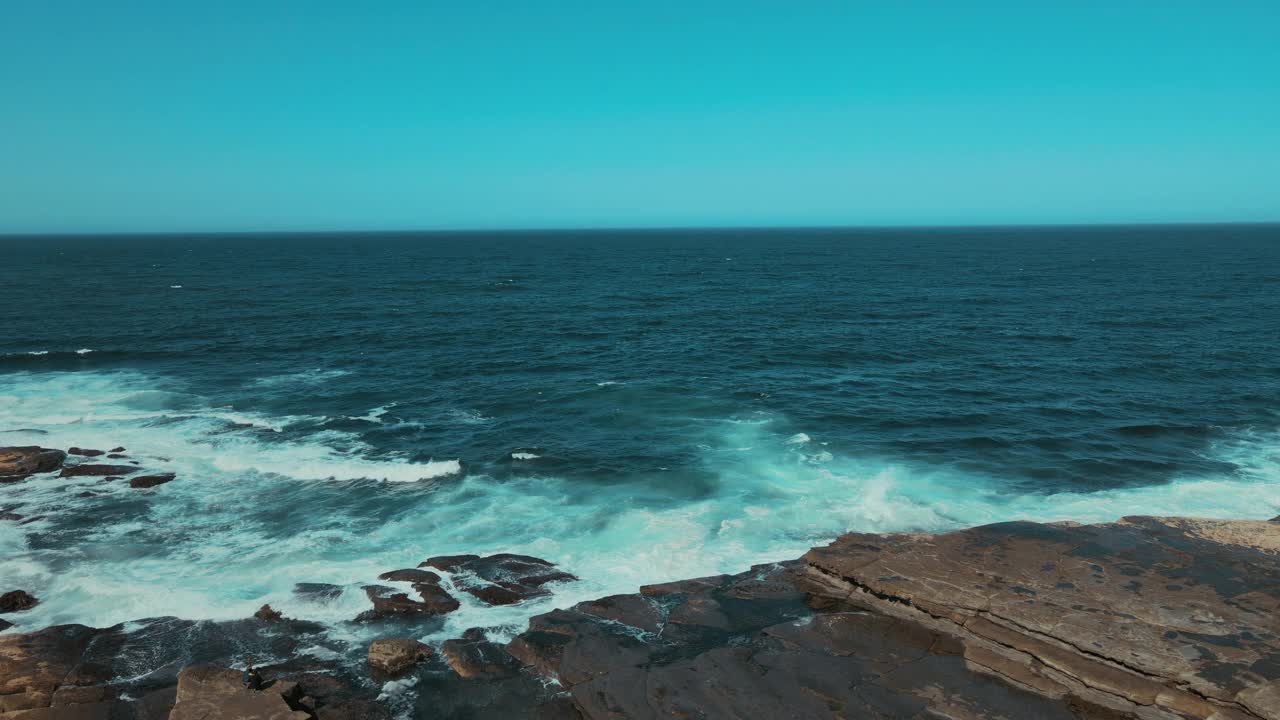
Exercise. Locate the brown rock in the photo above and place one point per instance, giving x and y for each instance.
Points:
(16, 463)
(117, 456)
(437, 600)
(269, 614)
(35, 665)
(150, 481)
(92, 470)
(117, 449)
(410, 575)
(84, 452)
(1176, 613)
(389, 602)
(394, 656)
(473, 656)
(211, 693)
(502, 579)
(17, 601)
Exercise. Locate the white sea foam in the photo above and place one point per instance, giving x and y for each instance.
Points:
(207, 557)
(798, 439)
(374, 415)
(84, 351)
(38, 352)
(524, 456)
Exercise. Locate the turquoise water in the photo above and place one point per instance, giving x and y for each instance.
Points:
(636, 406)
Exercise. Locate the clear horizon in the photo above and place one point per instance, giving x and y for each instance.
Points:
(426, 117)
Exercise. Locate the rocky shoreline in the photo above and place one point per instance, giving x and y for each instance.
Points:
(1145, 618)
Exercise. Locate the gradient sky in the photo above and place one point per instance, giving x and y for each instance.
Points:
(389, 115)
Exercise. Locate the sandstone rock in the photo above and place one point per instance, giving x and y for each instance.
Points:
(268, 613)
(212, 693)
(501, 579)
(150, 481)
(17, 601)
(92, 470)
(16, 463)
(84, 452)
(394, 656)
(1165, 612)
(35, 665)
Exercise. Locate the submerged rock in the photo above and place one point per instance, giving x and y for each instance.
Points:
(317, 591)
(94, 470)
(17, 463)
(502, 579)
(394, 656)
(17, 601)
(84, 452)
(150, 481)
(117, 449)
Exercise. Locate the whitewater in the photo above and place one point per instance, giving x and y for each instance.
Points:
(634, 407)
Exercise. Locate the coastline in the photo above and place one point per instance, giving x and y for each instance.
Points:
(1144, 618)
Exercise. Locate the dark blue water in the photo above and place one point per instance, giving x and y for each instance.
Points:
(639, 405)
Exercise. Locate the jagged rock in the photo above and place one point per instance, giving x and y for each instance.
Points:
(390, 602)
(212, 693)
(17, 601)
(83, 452)
(412, 575)
(17, 463)
(93, 470)
(268, 613)
(473, 656)
(150, 481)
(501, 579)
(394, 656)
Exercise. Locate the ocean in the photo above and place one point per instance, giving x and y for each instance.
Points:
(635, 406)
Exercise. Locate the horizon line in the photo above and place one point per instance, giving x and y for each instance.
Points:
(640, 229)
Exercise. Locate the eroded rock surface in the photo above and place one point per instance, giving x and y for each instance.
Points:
(1145, 618)
(393, 656)
(17, 463)
(212, 693)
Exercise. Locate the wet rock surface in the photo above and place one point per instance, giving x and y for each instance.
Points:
(502, 579)
(95, 469)
(17, 601)
(17, 463)
(150, 481)
(1146, 618)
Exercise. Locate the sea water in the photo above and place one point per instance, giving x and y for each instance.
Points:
(634, 406)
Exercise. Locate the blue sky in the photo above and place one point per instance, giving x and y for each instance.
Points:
(315, 115)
